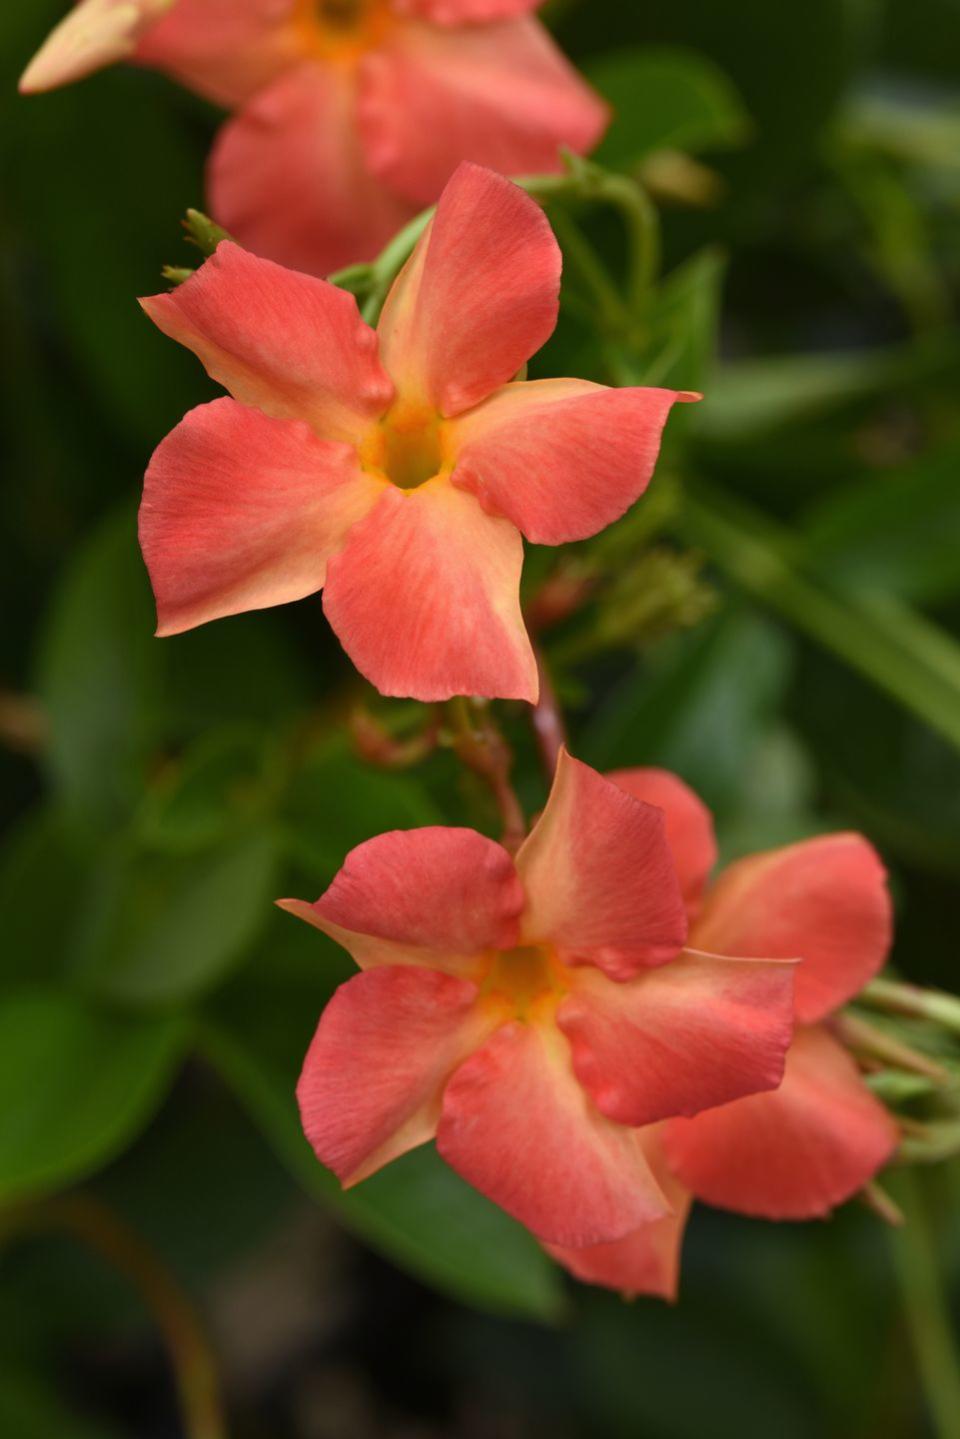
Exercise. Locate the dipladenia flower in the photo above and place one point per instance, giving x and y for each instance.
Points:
(351, 114)
(397, 470)
(797, 1152)
(531, 1014)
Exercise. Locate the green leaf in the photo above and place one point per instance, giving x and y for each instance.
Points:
(43, 882)
(682, 329)
(665, 99)
(908, 657)
(417, 1212)
(338, 802)
(895, 531)
(31, 1409)
(699, 705)
(100, 675)
(222, 780)
(161, 929)
(77, 1083)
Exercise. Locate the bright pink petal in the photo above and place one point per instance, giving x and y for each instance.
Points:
(293, 346)
(500, 95)
(93, 34)
(478, 296)
(698, 1032)
(518, 1127)
(430, 896)
(824, 901)
(562, 459)
(241, 511)
(464, 12)
(648, 1260)
(425, 598)
(792, 1154)
(690, 832)
(373, 1077)
(599, 877)
(224, 49)
(287, 176)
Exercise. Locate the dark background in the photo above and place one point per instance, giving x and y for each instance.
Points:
(778, 630)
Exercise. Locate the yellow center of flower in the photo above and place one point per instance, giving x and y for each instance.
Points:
(526, 983)
(408, 447)
(341, 29)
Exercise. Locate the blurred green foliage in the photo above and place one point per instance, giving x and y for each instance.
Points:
(158, 795)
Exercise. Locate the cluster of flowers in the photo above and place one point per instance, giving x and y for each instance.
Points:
(592, 1031)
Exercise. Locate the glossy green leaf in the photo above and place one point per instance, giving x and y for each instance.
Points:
(100, 675)
(44, 879)
(161, 929)
(218, 784)
(77, 1083)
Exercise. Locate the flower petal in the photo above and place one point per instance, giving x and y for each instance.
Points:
(500, 95)
(478, 296)
(698, 1032)
(792, 1154)
(224, 50)
(648, 1260)
(517, 1126)
(425, 598)
(293, 346)
(824, 901)
(241, 511)
(464, 12)
(373, 1077)
(287, 176)
(433, 896)
(93, 34)
(599, 877)
(562, 459)
(690, 832)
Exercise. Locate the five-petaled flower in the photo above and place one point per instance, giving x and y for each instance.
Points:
(797, 1152)
(532, 1014)
(351, 114)
(396, 470)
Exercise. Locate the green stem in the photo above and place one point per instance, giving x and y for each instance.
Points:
(190, 1353)
(925, 1306)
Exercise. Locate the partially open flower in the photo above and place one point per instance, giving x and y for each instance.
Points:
(351, 114)
(396, 470)
(531, 1015)
(799, 1151)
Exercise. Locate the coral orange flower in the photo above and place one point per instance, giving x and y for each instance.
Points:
(396, 470)
(531, 1015)
(351, 114)
(798, 1152)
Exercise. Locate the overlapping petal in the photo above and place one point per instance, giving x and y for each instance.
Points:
(478, 296)
(698, 1032)
(425, 599)
(241, 511)
(599, 876)
(562, 459)
(795, 1153)
(432, 896)
(690, 832)
(824, 901)
(500, 95)
(648, 1260)
(226, 50)
(289, 344)
(516, 1125)
(93, 34)
(288, 178)
(374, 1074)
